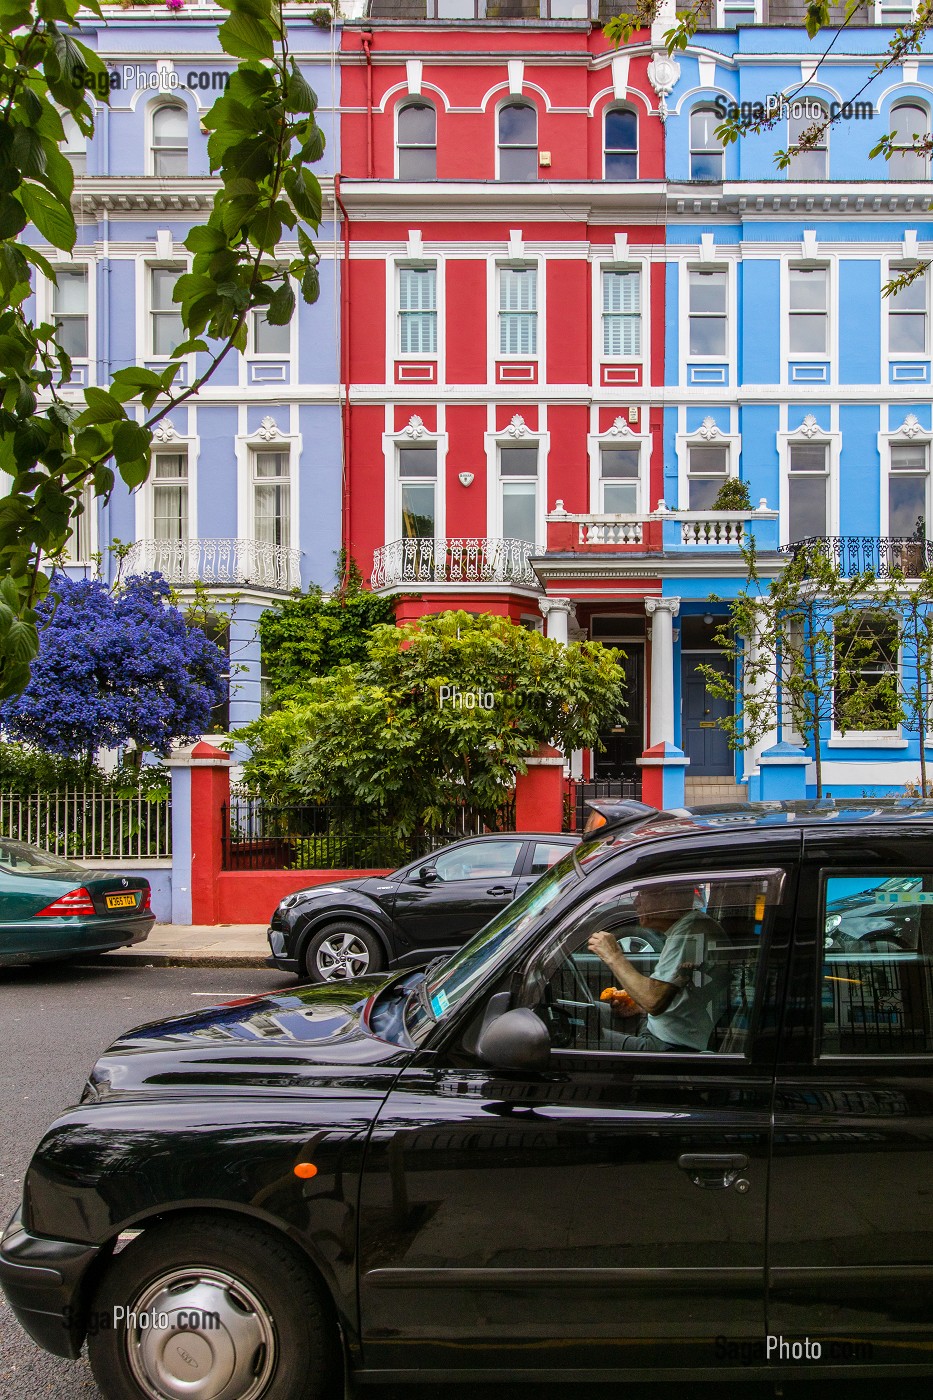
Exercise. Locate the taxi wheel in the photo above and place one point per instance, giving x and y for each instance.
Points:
(204, 1308)
(341, 950)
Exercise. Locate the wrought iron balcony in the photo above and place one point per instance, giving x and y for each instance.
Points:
(252, 563)
(884, 556)
(456, 560)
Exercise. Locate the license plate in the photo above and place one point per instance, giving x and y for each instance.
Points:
(120, 901)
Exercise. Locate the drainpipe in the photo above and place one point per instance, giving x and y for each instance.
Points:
(345, 381)
(367, 42)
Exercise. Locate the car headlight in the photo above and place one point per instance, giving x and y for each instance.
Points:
(288, 901)
(833, 922)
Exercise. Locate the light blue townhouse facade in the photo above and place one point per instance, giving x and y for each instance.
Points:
(785, 364)
(244, 493)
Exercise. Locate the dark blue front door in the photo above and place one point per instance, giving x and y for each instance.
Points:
(705, 744)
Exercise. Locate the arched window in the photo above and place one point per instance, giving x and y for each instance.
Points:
(75, 145)
(170, 139)
(909, 120)
(621, 144)
(706, 154)
(518, 142)
(417, 141)
(812, 163)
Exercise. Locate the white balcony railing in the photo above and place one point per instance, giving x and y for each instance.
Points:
(217, 561)
(694, 527)
(457, 560)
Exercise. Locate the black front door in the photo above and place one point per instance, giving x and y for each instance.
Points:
(619, 748)
(851, 1201)
(705, 742)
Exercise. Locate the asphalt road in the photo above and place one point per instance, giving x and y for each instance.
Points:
(55, 1021)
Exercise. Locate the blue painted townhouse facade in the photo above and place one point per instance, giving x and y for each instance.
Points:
(785, 364)
(245, 488)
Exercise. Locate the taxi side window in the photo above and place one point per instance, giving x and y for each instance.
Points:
(699, 935)
(876, 985)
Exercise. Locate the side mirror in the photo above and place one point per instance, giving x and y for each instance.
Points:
(428, 875)
(515, 1040)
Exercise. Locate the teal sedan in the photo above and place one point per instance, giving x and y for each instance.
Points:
(51, 909)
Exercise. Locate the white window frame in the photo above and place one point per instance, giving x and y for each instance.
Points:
(907, 434)
(412, 434)
(414, 100)
(724, 7)
(808, 431)
(826, 147)
(728, 355)
(148, 324)
(274, 356)
(513, 265)
(397, 267)
(248, 443)
(523, 436)
(608, 266)
(619, 435)
(708, 434)
(73, 556)
(890, 23)
(154, 106)
(74, 148)
(170, 441)
(696, 110)
(620, 107)
(89, 269)
(827, 357)
(867, 738)
(514, 99)
(908, 100)
(894, 267)
(170, 449)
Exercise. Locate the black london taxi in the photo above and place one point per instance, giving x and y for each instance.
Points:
(498, 1169)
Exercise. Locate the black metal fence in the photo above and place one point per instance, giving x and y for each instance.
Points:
(883, 556)
(602, 787)
(262, 835)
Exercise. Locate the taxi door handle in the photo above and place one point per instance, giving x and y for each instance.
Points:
(715, 1171)
(500, 889)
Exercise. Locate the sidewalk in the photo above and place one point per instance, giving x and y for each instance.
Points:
(184, 945)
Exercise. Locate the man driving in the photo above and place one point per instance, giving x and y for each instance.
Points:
(680, 1014)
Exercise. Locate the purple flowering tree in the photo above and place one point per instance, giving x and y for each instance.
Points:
(116, 665)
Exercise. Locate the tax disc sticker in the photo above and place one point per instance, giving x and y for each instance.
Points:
(439, 1004)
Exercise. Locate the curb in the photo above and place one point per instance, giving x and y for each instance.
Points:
(187, 960)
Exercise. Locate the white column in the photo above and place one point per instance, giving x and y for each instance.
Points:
(662, 612)
(557, 617)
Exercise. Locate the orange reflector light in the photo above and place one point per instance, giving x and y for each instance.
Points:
(306, 1170)
(593, 822)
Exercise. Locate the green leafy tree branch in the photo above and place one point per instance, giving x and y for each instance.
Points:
(263, 138)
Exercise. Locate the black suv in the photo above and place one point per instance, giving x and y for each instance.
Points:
(503, 1168)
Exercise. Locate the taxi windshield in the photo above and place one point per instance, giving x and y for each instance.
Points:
(454, 978)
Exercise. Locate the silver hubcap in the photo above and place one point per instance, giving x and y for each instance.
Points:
(634, 944)
(200, 1334)
(342, 955)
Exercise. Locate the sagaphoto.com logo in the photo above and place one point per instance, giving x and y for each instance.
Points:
(776, 106)
(159, 79)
